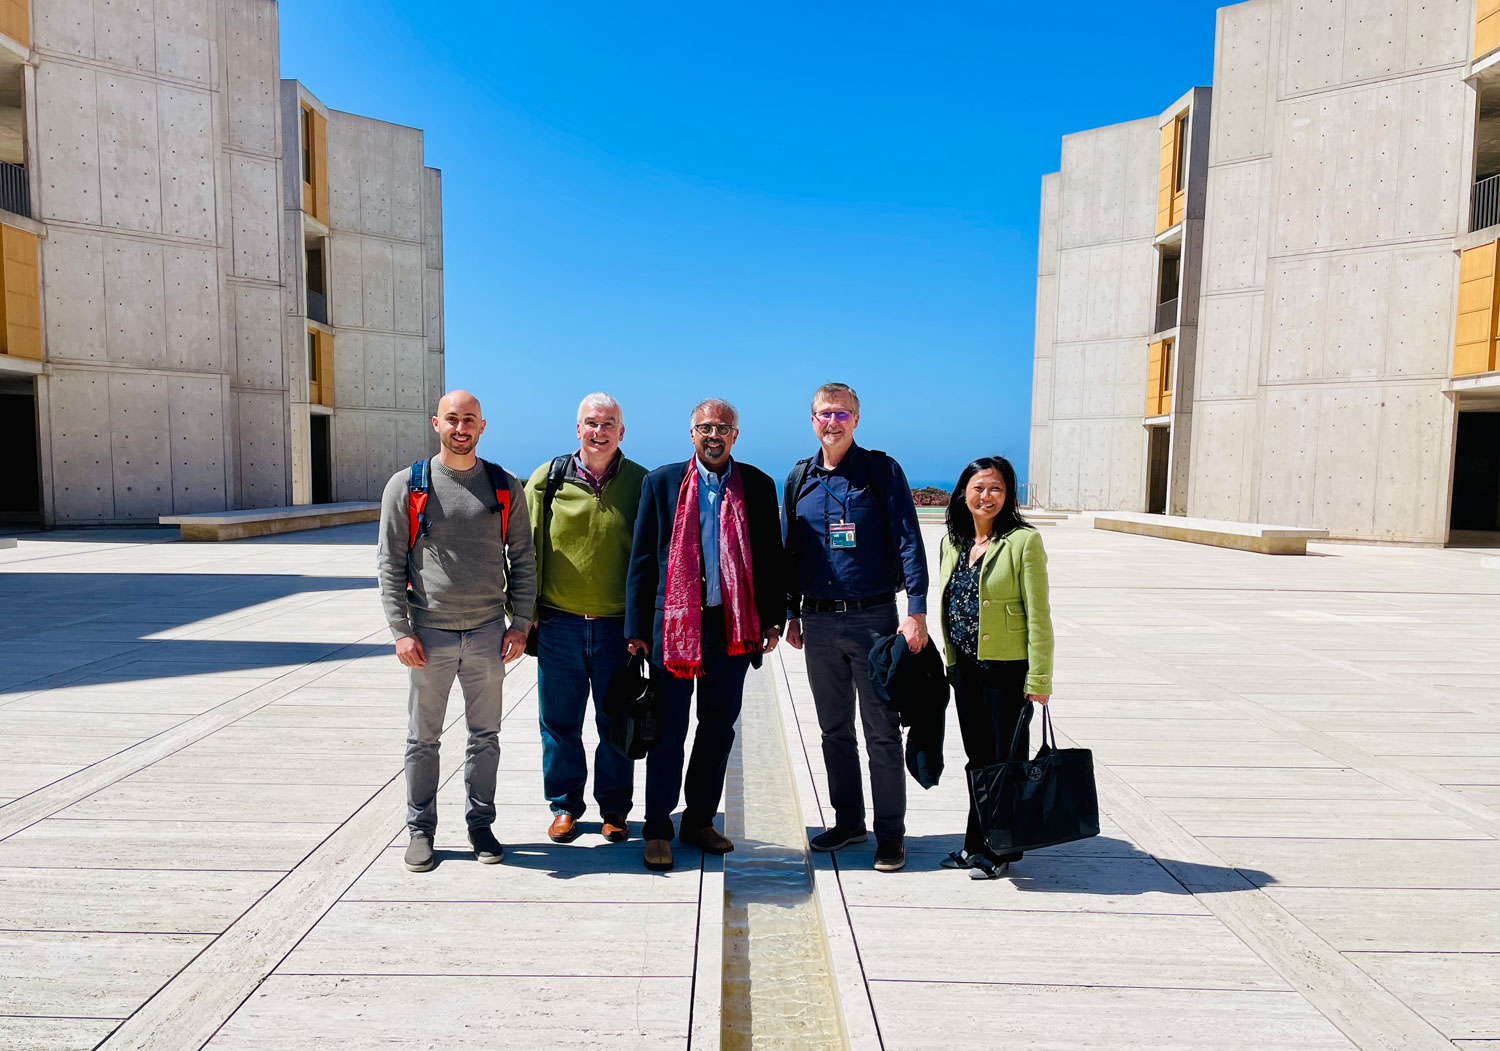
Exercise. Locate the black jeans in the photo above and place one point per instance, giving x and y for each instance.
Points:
(989, 697)
(720, 692)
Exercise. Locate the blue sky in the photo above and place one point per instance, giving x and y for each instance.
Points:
(672, 201)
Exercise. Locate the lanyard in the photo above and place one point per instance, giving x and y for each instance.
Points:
(843, 504)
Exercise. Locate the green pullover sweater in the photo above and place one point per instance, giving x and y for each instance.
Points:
(583, 558)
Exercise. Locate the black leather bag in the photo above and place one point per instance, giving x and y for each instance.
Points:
(634, 709)
(1027, 804)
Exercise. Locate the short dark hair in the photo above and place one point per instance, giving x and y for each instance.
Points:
(961, 520)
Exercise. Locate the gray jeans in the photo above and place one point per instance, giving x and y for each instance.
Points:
(473, 657)
(838, 663)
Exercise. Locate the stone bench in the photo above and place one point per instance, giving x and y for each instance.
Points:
(1242, 536)
(264, 521)
(7, 542)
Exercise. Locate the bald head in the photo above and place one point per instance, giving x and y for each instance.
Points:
(461, 400)
(458, 424)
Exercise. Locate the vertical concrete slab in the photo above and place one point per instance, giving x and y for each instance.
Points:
(256, 220)
(258, 338)
(380, 370)
(435, 390)
(1417, 342)
(73, 263)
(125, 33)
(1375, 39)
(262, 448)
(140, 447)
(1299, 296)
(1314, 46)
(67, 134)
(82, 464)
(135, 302)
(64, 26)
(1409, 487)
(410, 359)
(376, 177)
(1244, 71)
(1349, 433)
(407, 178)
(349, 370)
(1236, 231)
(1366, 182)
(378, 282)
(1224, 461)
(1288, 457)
(1047, 232)
(348, 302)
(251, 61)
(432, 290)
(1430, 186)
(407, 310)
(1359, 296)
(1437, 32)
(190, 276)
(187, 162)
(1229, 338)
(432, 217)
(345, 155)
(196, 428)
(184, 43)
(350, 469)
(129, 153)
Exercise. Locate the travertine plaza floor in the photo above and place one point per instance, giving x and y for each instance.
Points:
(201, 812)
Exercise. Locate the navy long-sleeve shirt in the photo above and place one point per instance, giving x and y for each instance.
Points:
(887, 555)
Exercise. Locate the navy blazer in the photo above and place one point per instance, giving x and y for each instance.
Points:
(646, 583)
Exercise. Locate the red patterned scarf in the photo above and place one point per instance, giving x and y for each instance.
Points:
(682, 628)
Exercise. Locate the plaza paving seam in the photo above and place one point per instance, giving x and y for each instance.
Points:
(1365, 1011)
(186, 1012)
(1445, 800)
(777, 975)
(64, 792)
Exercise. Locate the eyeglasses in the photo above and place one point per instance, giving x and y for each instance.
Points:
(829, 415)
(710, 429)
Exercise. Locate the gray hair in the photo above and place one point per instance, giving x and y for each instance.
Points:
(716, 403)
(828, 390)
(601, 400)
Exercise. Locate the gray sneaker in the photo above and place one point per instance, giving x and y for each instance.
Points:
(419, 852)
(487, 849)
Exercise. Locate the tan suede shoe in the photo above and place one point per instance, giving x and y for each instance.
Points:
(658, 855)
(707, 839)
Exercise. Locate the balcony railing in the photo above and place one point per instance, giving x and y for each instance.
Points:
(1485, 209)
(317, 307)
(1166, 315)
(15, 189)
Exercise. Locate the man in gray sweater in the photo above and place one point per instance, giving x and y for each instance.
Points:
(448, 576)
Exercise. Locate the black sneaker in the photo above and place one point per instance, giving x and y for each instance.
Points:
(837, 838)
(419, 852)
(487, 849)
(890, 855)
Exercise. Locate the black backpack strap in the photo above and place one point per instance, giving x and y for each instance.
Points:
(557, 470)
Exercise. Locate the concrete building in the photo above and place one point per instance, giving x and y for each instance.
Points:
(153, 282)
(1342, 369)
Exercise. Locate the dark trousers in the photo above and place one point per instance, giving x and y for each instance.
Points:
(838, 669)
(989, 697)
(720, 691)
(574, 655)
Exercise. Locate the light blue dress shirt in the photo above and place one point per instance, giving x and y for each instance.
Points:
(710, 506)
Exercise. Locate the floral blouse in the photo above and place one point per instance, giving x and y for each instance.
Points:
(961, 604)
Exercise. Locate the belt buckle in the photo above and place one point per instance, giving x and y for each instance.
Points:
(589, 616)
(840, 606)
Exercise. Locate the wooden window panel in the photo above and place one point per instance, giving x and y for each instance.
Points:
(22, 299)
(1153, 380)
(325, 368)
(1164, 177)
(1486, 27)
(320, 167)
(1474, 329)
(15, 21)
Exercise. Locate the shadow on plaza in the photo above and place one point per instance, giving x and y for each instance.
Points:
(588, 856)
(1098, 865)
(107, 627)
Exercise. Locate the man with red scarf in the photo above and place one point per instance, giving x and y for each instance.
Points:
(704, 599)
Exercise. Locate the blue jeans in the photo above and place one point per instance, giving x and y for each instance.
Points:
(575, 654)
(720, 692)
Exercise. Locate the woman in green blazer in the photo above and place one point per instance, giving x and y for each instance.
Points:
(997, 630)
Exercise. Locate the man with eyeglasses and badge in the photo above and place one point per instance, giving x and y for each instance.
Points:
(853, 541)
(704, 599)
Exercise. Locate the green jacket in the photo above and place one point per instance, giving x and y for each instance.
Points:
(1015, 616)
(583, 559)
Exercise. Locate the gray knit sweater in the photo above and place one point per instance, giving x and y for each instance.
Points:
(459, 573)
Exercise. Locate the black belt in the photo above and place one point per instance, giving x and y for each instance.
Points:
(844, 605)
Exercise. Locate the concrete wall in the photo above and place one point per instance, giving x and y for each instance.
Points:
(158, 154)
(1335, 187)
(1095, 287)
(385, 300)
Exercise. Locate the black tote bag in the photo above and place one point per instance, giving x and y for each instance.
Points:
(1027, 804)
(634, 709)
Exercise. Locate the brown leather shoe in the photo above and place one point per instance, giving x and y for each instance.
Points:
(707, 839)
(658, 855)
(564, 829)
(615, 828)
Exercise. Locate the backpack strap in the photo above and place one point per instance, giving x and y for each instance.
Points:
(418, 488)
(500, 482)
(556, 471)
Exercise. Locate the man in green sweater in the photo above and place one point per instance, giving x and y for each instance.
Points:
(583, 552)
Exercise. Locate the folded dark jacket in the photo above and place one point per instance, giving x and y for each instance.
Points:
(916, 685)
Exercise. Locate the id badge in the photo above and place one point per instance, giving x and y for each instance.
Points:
(841, 534)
